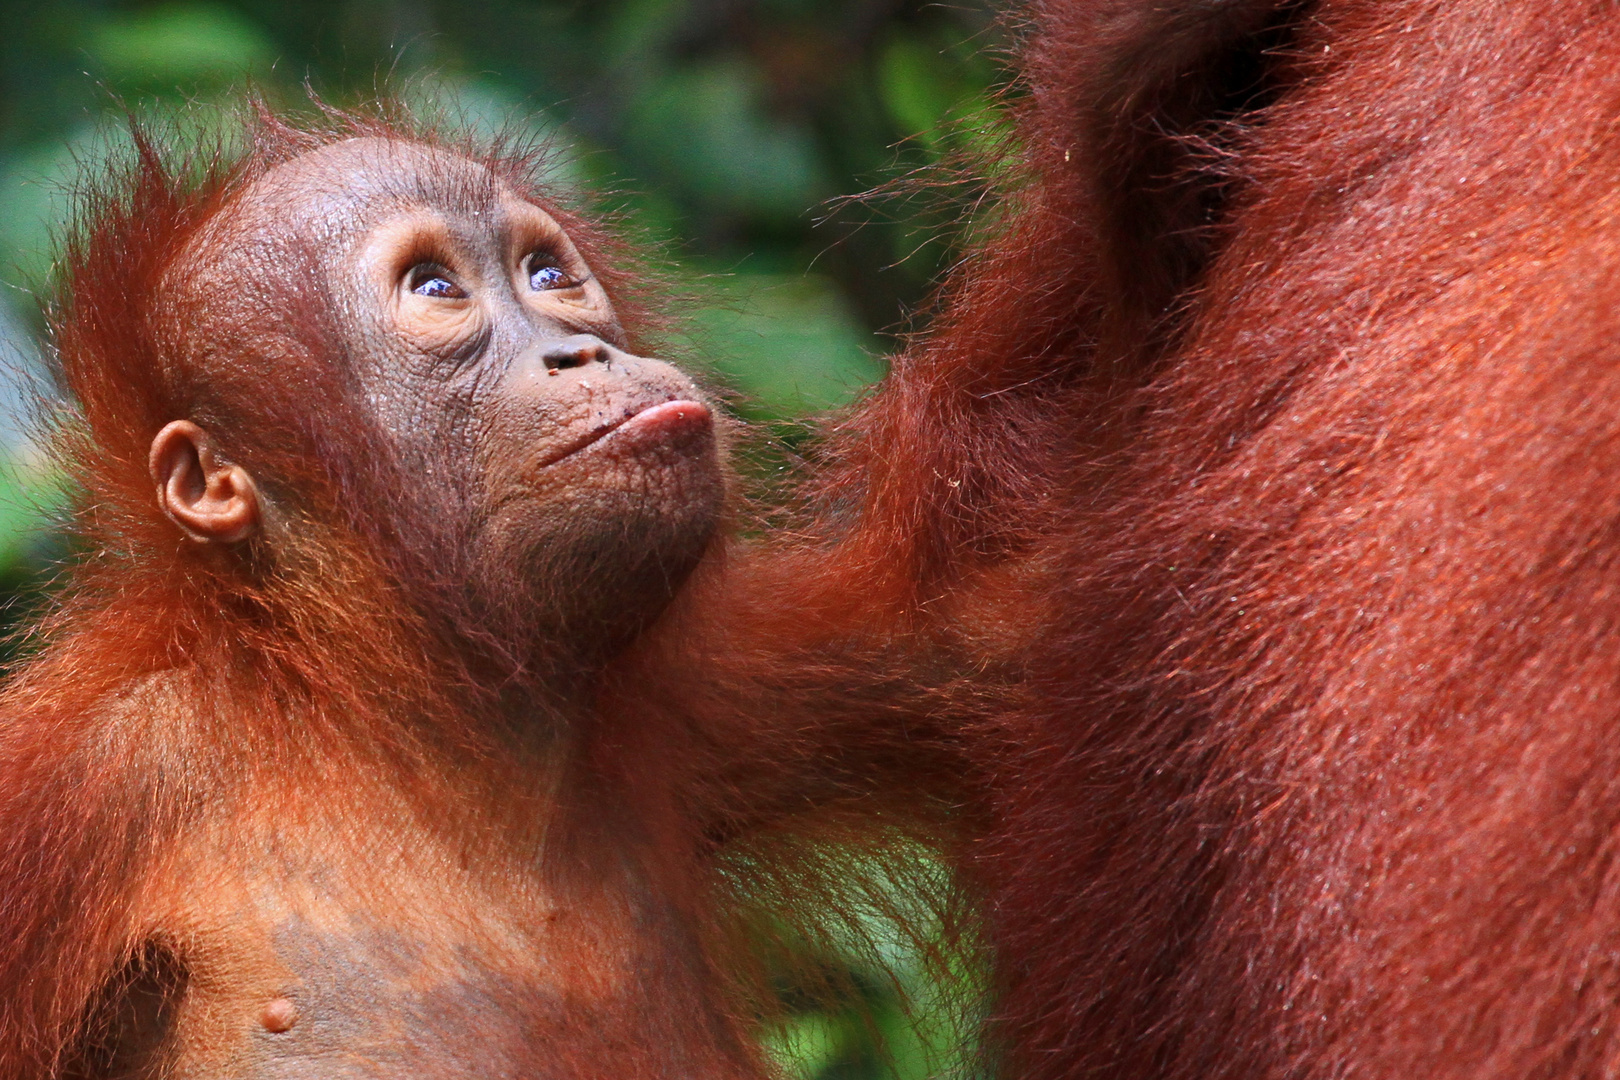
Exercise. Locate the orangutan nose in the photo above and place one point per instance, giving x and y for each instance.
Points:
(575, 351)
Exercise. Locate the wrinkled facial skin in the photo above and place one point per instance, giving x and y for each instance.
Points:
(582, 481)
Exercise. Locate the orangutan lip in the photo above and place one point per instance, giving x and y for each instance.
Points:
(674, 411)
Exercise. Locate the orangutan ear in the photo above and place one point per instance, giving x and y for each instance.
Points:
(1168, 87)
(212, 500)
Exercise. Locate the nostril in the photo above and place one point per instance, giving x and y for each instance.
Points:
(571, 352)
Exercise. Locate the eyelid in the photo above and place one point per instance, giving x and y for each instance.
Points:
(432, 265)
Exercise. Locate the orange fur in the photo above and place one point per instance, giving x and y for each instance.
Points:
(1313, 304)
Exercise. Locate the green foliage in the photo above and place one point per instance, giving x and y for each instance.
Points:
(899, 1020)
(878, 979)
(179, 45)
(29, 494)
(729, 128)
(788, 343)
(712, 114)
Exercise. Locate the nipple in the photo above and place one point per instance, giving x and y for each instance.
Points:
(279, 1014)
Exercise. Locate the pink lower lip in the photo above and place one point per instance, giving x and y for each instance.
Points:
(669, 419)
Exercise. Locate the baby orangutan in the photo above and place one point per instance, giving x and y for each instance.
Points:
(313, 773)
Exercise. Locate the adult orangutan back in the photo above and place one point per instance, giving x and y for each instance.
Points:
(1323, 778)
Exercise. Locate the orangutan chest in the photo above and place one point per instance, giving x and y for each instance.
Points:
(372, 1001)
(378, 1002)
(318, 969)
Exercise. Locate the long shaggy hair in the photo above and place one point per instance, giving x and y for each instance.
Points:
(1320, 776)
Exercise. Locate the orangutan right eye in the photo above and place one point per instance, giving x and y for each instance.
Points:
(433, 280)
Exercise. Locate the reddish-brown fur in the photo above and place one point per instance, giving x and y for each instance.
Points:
(1269, 429)
(1321, 773)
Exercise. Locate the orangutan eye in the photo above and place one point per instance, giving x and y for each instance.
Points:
(431, 279)
(545, 273)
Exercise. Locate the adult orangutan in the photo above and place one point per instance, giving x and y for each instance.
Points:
(350, 751)
(1321, 777)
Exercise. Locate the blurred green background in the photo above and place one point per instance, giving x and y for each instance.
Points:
(732, 132)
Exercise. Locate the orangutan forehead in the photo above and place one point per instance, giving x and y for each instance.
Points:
(358, 178)
(301, 218)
